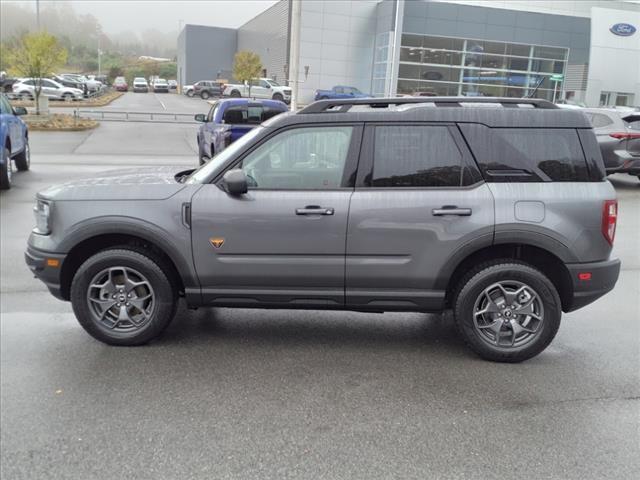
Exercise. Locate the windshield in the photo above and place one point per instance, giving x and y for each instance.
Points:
(201, 174)
(274, 83)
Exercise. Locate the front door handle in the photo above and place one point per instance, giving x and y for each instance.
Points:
(451, 210)
(314, 210)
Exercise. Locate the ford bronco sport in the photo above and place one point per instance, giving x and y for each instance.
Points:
(495, 208)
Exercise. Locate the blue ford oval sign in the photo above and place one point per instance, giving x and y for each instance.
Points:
(623, 29)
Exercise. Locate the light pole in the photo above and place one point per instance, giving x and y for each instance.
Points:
(295, 51)
(99, 56)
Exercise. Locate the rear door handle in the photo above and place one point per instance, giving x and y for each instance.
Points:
(314, 210)
(451, 210)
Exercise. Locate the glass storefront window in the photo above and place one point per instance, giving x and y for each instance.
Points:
(424, 55)
(424, 72)
(550, 52)
(454, 66)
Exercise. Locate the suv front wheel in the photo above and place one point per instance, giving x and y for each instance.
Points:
(122, 296)
(507, 311)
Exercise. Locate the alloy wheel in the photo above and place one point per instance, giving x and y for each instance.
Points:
(121, 299)
(508, 314)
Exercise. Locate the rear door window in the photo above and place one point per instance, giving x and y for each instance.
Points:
(415, 156)
(250, 115)
(527, 154)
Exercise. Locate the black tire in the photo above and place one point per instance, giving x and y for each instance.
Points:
(278, 96)
(235, 94)
(5, 170)
(204, 95)
(152, 269)
(23, 159)
(67, 97)
(482, 278)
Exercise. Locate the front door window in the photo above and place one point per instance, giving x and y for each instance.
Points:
(310, 158)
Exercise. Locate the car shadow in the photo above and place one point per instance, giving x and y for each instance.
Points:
(292, 328)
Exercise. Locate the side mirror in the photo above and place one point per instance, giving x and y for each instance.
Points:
(268, 86)
(200, 117)
(234, 182)
(19, 111)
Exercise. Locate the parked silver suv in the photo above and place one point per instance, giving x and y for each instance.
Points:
(495, 208)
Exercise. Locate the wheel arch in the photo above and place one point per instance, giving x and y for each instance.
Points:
(175, 266)
(550, 264)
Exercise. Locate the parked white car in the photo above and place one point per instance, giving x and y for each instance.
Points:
(50, 88)
(260, 88)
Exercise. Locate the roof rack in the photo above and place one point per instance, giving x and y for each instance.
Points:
(343, 105)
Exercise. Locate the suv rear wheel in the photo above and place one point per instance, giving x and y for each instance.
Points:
(122, 296)
(507, 311)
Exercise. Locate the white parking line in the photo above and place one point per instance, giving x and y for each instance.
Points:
(163, 106)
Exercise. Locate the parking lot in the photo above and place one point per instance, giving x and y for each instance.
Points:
(295, 394)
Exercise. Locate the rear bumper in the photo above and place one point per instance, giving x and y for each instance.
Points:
(603, 278)
(37, 261)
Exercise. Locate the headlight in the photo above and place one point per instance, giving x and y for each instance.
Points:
(42, 212)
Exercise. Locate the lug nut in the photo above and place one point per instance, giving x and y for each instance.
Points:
(127, 304)
(117, 304)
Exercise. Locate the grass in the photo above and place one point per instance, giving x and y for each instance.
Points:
(60, 122)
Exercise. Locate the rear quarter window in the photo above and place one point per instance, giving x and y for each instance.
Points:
(599, 120)
(527, 154)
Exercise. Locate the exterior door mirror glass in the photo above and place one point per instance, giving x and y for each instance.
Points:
(200, 117)
(20, 111)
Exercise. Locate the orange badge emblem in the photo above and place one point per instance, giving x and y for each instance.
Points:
(216, 242)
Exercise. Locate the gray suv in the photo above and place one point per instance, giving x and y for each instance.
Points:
(495, 208)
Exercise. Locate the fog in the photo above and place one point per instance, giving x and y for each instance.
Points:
(152, 24)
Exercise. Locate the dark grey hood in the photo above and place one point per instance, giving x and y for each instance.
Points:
(155, 183)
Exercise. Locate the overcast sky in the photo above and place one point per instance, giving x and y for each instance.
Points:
(165, 15)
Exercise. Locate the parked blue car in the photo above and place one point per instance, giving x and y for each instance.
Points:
(340, 91)
(229, 119)
(15, 141)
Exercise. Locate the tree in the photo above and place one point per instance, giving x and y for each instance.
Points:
(37, 56)
(246, 66)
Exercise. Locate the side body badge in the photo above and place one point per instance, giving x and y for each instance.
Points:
(217, 242)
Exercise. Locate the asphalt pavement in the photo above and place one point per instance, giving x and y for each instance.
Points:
(293, 394)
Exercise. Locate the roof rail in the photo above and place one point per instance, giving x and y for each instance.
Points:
(344, 105)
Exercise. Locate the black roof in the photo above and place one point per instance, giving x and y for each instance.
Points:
(493, 112)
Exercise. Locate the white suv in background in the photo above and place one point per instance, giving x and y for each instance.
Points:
(50, 88)
(260, 88)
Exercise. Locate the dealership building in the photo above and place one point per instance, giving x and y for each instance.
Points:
(585, 51)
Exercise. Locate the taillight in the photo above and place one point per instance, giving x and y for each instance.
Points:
(625, 135)
(609, 219)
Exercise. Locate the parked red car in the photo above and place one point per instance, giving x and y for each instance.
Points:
(120, 84)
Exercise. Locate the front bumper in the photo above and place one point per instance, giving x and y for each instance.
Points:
(40, 264)
(603, 277)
